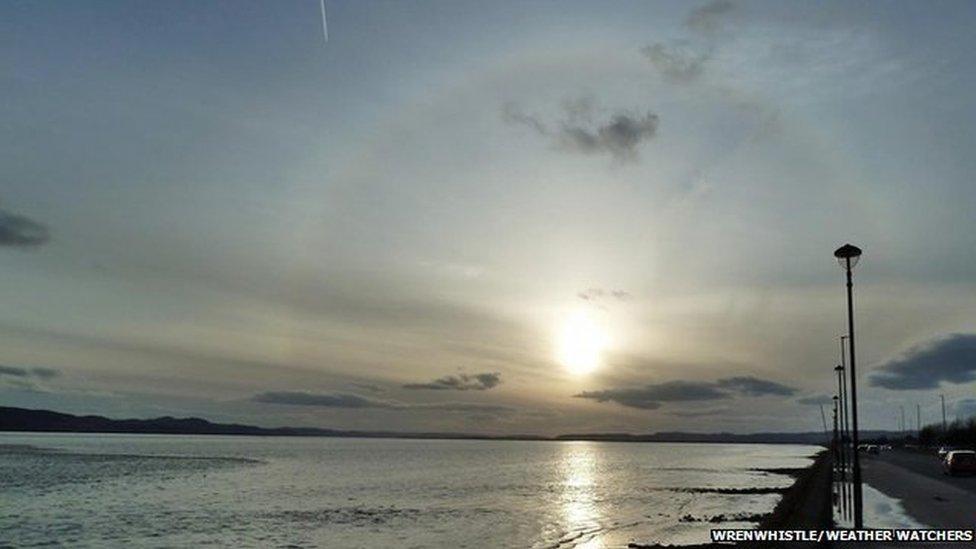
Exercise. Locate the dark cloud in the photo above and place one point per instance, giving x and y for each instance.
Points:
(12, 371)
(42, 373)
(950, 359)
(619, 136)
(753, 386)
(676, 62)
(708, 18)
(461, 382)
(21, 232)
(815, 400)
(347, 400)
(651, 396)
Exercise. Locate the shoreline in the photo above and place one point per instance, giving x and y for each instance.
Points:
(805, 505)
(23, 420)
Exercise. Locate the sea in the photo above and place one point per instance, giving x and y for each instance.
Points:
(105, 490)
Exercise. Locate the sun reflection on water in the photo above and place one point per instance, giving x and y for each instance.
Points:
(582, 514)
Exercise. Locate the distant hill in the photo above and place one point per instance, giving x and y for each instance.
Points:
(728, 438)
(22, 419)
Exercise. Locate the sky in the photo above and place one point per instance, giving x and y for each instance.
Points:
(493, 217)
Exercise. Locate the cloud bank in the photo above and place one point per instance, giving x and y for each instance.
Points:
(950, 359)
(650, 397)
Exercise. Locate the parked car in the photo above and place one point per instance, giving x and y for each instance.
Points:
(873, 449)
(958, 462)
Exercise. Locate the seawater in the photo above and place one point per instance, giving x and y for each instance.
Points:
(189, 491)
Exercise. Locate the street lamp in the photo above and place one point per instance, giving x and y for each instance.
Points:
(836, 445)
(841, 390)
(848, 256)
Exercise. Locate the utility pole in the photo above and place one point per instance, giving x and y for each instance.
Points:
(944, 427)
(904, 427)
(836, 446)
(918, 420)
(824, 419)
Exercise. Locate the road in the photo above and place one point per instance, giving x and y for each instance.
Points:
(927, 495)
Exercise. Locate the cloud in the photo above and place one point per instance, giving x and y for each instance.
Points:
(676, 62)
(41, 373)
(597, 294)
(299, 398)
(752, 386)
(353, 401)
(651, 396)
(815, 400)
(512, 114)
(369, 387)
(700, 413)
(950, 359)
(684, 60)
(619, 135)
(12, 371)
(45, 373)
(708, 18)
(461, 382)
(21, 232)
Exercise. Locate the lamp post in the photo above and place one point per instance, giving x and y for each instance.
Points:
(842, 407)
(848, 256)
(836, 445)
(845, 395)
(943, 416)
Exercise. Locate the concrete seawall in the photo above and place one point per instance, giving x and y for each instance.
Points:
(807, 504)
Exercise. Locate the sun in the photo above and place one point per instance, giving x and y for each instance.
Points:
(581, 342)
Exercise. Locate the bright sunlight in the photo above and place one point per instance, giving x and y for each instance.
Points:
(581, 343)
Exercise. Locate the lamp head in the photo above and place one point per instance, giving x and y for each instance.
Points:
(838, 368)
(847, 255)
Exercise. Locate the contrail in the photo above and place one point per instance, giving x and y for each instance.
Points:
(325, 24)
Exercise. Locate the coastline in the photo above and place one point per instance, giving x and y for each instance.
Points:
(23, 420)
(805, 505)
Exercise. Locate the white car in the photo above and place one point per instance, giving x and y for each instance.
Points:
(959, 462)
